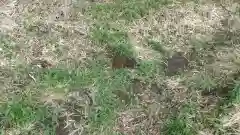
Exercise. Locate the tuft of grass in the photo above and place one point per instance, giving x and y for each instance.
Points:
(182, 123)
(7, 45)
(125, 9)
(56, 78)
(27, 116)
(72, 77)
(202, 81)
(107, 102)
(200, 45)
(155, 45)
(116, 41)
(149, 70)
(103, 83)
(178, 126)
(235, 94)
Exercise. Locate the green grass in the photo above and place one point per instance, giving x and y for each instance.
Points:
(178, 126)
(125, 9)
(155, 45)
(7, 45)
(113, 35)
(104, 83)
(27, 116)
(203, 81)
(183, 122)
(149, 70)
(26, 110)
(116, 41)
(235, 96)
(107, 102)
(113, 91)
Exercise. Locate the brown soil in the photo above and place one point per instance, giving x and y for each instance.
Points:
(176, 63)
(123, 62)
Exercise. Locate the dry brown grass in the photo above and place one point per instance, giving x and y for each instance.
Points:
(49, 31)
(177, 25)
(57, 32)
(231, 121)
(180, 27)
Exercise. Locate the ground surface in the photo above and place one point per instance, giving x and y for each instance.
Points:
(119, 67)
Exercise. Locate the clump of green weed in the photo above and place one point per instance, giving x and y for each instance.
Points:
(182, 123)
(116, 41)
(178, 126)
(107, 102)
(148, 70)
(28, 116)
